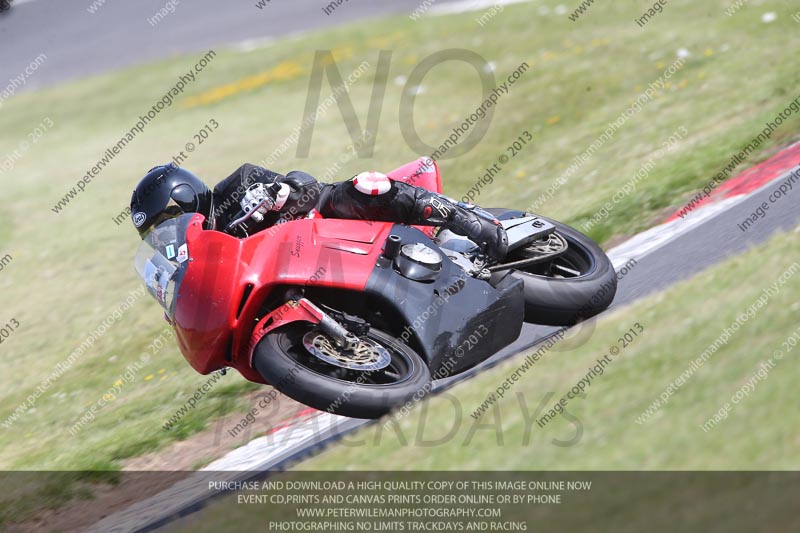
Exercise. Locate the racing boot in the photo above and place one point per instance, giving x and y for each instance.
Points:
(432, 209)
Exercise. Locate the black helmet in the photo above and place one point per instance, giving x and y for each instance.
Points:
(166, 192)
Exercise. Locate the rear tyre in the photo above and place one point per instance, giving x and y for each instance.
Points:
(576, 285)
(283, 360)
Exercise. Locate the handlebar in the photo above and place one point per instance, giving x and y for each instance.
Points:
(244, 217)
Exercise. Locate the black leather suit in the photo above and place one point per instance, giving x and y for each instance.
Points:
(403, 203)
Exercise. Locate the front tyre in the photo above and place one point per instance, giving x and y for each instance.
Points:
(283, 359)
(577, 284)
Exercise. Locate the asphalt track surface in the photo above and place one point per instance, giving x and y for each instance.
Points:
(78, 43)
(689, 253)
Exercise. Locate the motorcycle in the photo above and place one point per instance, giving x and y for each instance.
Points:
(355, 317)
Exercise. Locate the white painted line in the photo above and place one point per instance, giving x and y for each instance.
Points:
(657, 237)
(651, 240)
(252, 44)
(307, 432)
(259, 451)
(470, 5)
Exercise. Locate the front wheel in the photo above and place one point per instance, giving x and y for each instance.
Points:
(578, 283)
(379, 374)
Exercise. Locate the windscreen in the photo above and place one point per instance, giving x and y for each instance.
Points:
(162, 259)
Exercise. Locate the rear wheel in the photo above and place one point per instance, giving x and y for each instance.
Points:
(577, 282)
(380, 373)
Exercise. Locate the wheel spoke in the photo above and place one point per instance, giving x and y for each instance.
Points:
(572, 273)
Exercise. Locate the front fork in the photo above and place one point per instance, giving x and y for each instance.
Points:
(298, 308)
(340, 335)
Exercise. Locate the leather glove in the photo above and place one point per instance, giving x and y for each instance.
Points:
(264, 198)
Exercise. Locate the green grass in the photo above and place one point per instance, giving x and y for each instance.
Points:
(70, 270)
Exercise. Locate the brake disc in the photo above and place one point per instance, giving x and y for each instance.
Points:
(367, 355)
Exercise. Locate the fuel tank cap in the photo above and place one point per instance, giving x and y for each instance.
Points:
(422, 254)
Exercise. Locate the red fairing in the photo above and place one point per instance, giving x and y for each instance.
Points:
(322, 252)
(424, 172)
(291, 311)
(203, 319)
(213, 320)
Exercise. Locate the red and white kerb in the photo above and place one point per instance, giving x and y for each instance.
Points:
(372, 183)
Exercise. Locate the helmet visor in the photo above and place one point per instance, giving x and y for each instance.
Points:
(171, 211)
